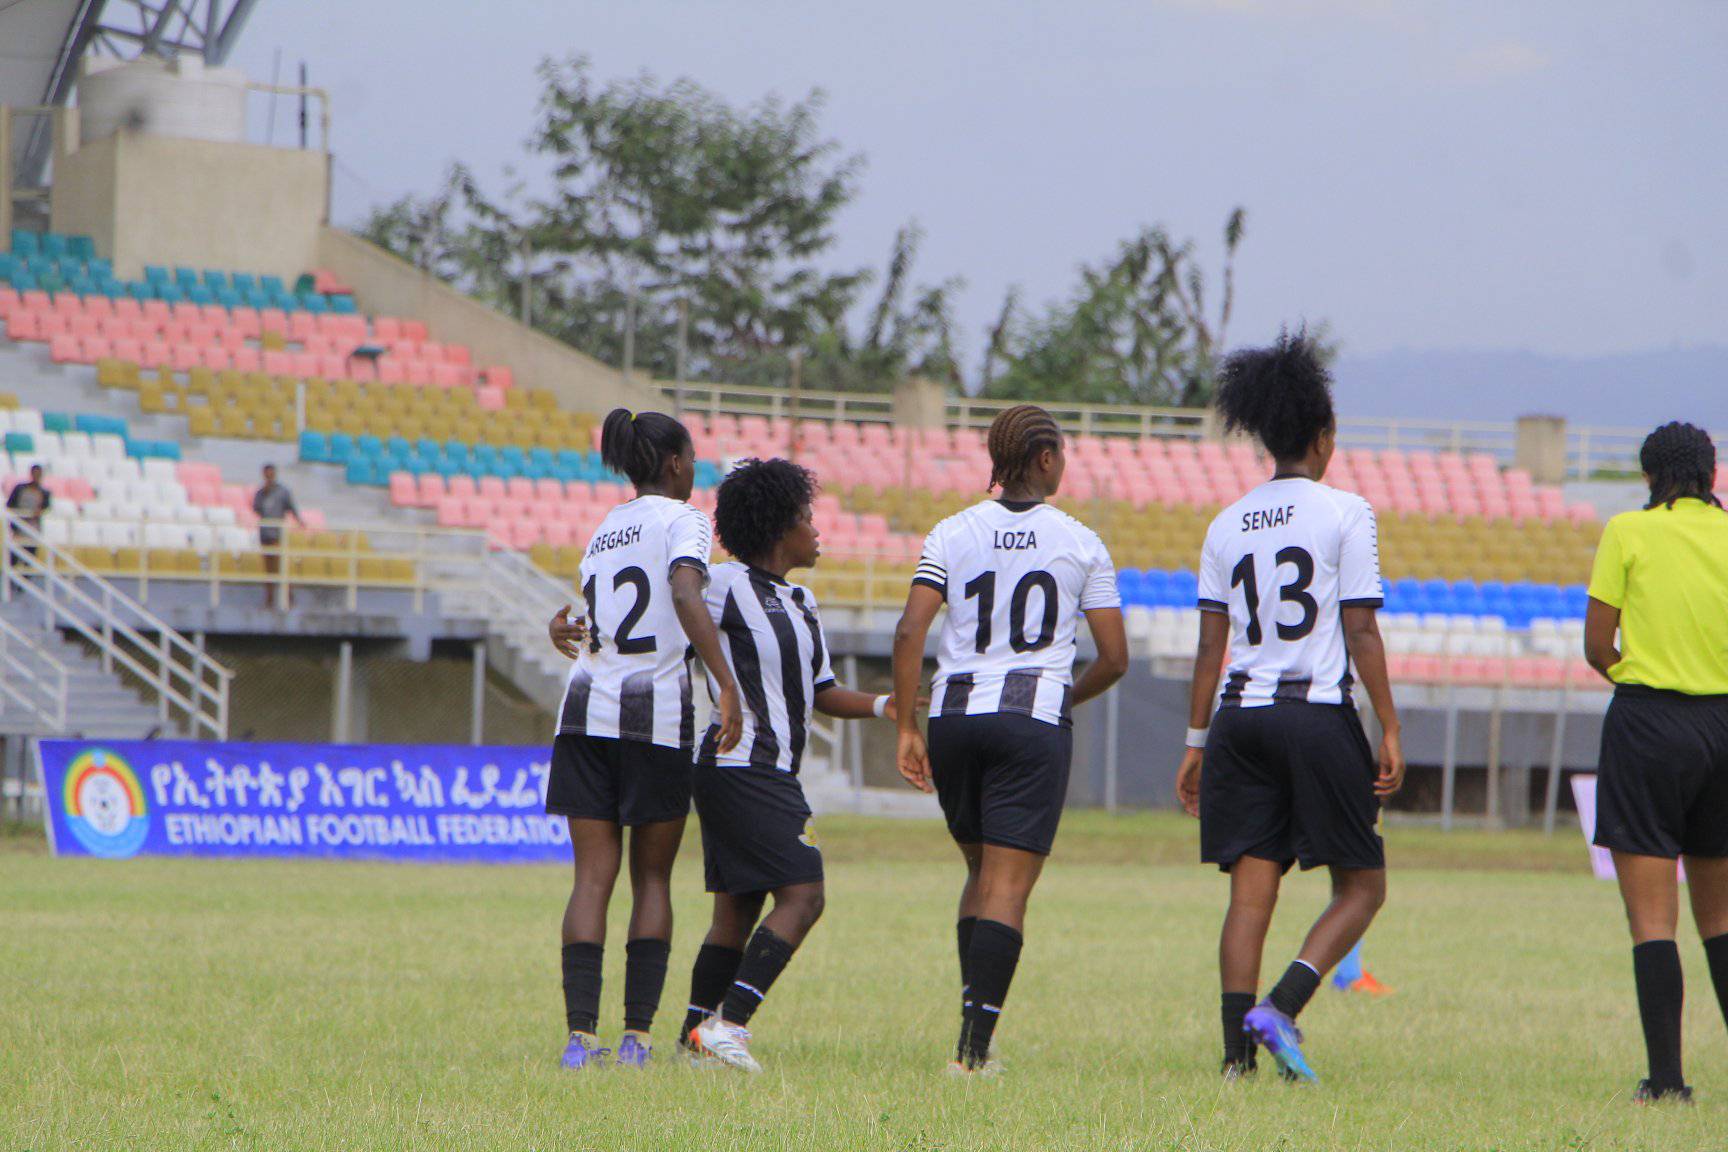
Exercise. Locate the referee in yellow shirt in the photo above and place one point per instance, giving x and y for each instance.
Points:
(1661, 580)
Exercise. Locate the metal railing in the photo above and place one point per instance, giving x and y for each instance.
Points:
(1590, 451)
(170, 666)
(32, 680)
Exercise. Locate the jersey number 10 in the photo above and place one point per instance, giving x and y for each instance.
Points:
(983, 587)
(626, 644)
(1295, 592)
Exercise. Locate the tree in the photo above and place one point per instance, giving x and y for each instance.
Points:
(1137, 330)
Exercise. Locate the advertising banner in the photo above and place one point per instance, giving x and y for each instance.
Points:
(429, 803)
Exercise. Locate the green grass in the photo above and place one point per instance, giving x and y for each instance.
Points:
(207, 1004)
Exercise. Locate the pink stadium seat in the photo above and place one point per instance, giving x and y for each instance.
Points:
(492, 400)
(498, 376)
(492, 488)
(430, 490)
(414, 330)
(419, 374)
(404, 493)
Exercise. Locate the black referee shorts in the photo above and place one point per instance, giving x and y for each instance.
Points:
(1001, 778)
(1662, 780)
(757, 833)
(626, 782)
(1289, 782)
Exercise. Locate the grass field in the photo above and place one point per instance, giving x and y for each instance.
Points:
(166, 1004)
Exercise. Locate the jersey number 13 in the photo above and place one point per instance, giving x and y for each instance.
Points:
(1294, 592)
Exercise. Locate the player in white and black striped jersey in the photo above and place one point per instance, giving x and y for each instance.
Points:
(757, 836)
(622, 756)
(1016, 576)
(1283, 773)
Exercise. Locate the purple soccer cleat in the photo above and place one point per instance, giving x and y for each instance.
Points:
(1278, 1034)
(582, 1051)
(633, 1051)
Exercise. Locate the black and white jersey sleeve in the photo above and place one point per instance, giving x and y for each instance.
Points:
(1283, 562)
(633, 679)
(1015, 580)
(771, 632)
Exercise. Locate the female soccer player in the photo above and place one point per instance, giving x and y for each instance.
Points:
(1661, 579)
(757, 837)
(1290, 578)
(1016, 575)
(622, 756)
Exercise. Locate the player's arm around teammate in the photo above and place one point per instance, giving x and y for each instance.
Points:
(1015, 575)
(1661, 581)
(1289, 585)
(626, 729)
(757, 836)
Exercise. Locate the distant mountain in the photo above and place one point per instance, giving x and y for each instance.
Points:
(1625, 389)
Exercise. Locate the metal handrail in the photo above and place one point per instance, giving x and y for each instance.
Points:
(60, 588)
(1589, 449)
(38, 684)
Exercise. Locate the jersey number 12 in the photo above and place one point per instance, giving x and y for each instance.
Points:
(626, 644)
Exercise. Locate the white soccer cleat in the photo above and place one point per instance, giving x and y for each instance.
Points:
(727, 1043)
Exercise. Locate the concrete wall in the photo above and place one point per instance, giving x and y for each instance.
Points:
(159, 200)
(395, 287)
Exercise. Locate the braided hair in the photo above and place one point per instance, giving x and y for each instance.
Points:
(1017, 436)
(1281, 394)
(1680, 461)
(636, 445)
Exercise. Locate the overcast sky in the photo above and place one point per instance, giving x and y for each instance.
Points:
(1471, 174)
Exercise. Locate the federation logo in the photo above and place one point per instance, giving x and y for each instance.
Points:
(104, 804)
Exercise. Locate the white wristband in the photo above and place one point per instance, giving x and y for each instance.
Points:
(1197, 737)
(881, 706)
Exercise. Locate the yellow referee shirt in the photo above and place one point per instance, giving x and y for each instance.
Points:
(1666, 569)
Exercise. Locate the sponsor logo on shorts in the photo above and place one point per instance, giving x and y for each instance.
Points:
(808, 837)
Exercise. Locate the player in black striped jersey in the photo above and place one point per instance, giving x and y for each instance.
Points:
(1289, 581)
(757, 836)
(622, 756)
(1016, 575)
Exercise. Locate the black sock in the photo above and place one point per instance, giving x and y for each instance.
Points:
(582, 986)
(765, 957)
(644, 979)
(1661, 993)
(1237, 1046)
(990, 964)
(716, 967)
(1294, 989)
(963, 936)
(1716, 951)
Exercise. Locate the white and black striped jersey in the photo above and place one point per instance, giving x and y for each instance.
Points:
(1283, 562)
(1016, 578)
(633, 681)
(772, 636)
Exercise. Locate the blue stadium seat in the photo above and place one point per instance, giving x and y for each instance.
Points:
(215, 280)
(185, 278)
(341, 447)
(155, 274)
(53, 245)
(100, 269)
(314, 448)
(243, 282)
(25, 242)
(81, 247)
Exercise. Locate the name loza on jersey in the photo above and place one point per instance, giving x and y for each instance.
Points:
(619, 538)
(1268, 518)
(1016, 541)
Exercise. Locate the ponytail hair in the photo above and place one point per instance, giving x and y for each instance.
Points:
(1680, 460)
(636, 445)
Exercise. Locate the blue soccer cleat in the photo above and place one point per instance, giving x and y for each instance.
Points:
(634, 1051)
(1278, 1034)
(582, 1051)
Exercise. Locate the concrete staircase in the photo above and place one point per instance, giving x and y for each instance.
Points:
(98, 702)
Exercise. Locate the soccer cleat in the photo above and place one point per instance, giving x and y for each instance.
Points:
(1644, 1094)
(727, 1043)
(1278, 1034)
(988, 1067)
(634, 1051)
(583, 1050)
(692, 1053)
(1234, 1070)
(1366, 983)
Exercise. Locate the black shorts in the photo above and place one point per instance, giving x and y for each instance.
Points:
(1001, 778)
(1662, 784)
(626, 782)
(1290, 782)
(756, 830)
